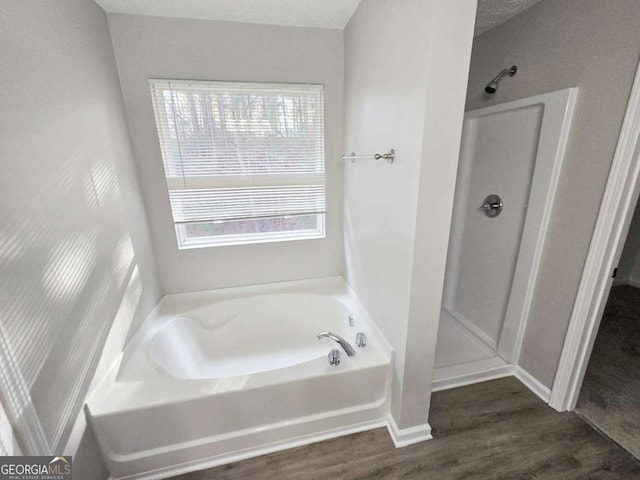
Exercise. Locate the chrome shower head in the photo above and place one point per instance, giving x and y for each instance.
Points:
(492, 86)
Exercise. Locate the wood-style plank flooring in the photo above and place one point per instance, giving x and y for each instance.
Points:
(491, 430)
(610, 396)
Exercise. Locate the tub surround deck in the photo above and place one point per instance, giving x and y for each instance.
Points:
(201, 417)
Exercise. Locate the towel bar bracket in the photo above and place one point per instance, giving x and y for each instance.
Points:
(389, 157)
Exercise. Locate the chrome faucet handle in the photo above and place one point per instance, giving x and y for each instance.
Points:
(334, 357)
(361, 340)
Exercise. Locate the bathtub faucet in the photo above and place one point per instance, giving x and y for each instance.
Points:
(339, 340)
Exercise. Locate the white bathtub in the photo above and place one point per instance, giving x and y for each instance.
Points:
(217, 376)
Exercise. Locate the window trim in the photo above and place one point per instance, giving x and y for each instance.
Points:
(186, 243)
(183, 241)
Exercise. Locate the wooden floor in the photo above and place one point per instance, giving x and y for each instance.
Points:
(610, 395)
(491, 430)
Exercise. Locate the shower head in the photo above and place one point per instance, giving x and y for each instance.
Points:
(492, 86)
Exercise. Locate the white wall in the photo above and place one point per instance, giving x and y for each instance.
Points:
(8, 441)
(595, 46)
(406, 65)
(629, 264)
(74, 241)
(155, 47)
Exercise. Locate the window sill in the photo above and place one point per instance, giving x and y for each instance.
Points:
(237, 240)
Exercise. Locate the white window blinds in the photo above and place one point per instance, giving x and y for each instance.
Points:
(241, 151)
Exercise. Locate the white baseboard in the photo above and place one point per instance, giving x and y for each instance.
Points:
(457, 376)
(403, 437)
(463, 378)
(529, 381)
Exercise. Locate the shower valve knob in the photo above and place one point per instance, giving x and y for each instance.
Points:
(492, 206)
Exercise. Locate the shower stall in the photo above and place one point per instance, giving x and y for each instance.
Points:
(510, 162)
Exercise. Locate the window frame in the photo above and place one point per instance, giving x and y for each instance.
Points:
(185, 242)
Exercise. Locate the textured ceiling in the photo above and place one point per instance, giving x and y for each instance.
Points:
(492, 13)
(299, 13)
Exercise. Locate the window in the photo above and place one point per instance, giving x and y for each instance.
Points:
(244, 162)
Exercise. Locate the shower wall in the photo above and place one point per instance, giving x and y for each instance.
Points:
(75, 253)
(595, 46)
(497, 156)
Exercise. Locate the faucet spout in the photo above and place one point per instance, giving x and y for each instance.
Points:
(339, 340)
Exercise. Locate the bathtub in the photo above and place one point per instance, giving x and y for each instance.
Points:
(215, 377)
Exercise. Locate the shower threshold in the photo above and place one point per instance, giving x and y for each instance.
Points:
(463, 359)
